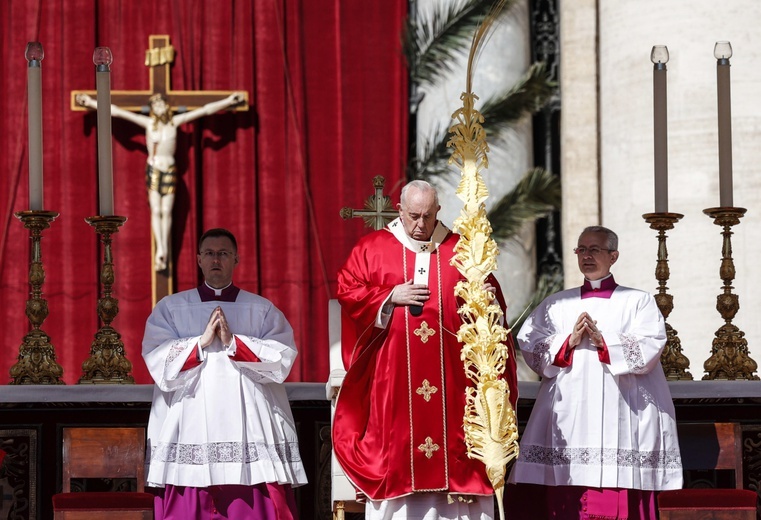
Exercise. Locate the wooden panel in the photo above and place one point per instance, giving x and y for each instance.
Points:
(712, 446)
(103, 453)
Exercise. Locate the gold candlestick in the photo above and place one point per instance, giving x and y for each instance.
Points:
(729, 352)
(36, 363)
(674, 362)
(107, 363)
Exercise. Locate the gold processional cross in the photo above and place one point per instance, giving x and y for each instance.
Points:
(159, 58)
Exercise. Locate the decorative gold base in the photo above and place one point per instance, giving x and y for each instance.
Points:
(675, 363)
(107, 363)
(36, 363)
(730, 358)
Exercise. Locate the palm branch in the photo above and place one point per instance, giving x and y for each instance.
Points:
(432, 42)
(500, 112)
(535, 196)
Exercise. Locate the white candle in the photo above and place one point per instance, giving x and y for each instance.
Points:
(102, 59)
(34, 55)
(722, 52)
(660, 56)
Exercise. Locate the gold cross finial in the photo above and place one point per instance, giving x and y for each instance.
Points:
(426, 390)
(424, 332)
(428, 447)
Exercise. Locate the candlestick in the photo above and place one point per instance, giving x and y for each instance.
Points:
(675, 364)
(730, 358)
(722, 52)
(107, 363)
(660, 56)
(102, 59)
(36, 364)
(34, 55)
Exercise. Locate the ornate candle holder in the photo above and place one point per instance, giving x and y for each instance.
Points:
(36, 363)
(674, 362)
(729, 352)
(107, 363)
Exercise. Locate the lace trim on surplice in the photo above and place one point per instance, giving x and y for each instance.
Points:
(600, 457)
(539, 353)
(632, 353)
(225, 452)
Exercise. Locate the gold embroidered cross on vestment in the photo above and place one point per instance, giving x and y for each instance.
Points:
(424, 332)
(429, 447)
(426, 390)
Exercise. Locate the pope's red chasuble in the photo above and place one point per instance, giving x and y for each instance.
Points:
(398, 420)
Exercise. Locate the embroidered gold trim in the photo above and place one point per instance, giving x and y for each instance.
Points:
(409, 374)
(429, 447)
(426, 390)
(424, 332)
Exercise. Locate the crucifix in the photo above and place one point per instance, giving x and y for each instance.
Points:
(378, 210)
(161, 140)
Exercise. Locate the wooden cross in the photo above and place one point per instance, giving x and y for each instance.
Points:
(159, 58)
(378, 209)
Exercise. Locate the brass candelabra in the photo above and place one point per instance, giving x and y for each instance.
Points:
(675, 363)
(729, 352)
(36, 363)
(107, 363)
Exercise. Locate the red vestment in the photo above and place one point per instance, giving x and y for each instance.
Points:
(398, 424)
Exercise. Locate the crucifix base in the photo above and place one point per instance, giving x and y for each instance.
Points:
(162, 282)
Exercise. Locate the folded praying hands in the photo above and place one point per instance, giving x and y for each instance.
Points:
(585, 325)
(217, 326)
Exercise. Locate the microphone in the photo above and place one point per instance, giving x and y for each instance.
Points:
(416, 310)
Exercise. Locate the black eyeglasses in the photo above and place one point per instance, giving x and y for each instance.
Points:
(594, 251)
(222, 255)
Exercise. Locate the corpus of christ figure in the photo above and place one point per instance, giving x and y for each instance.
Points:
(160, 171)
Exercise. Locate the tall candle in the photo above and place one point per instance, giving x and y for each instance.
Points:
(722, 52)
(660, 56)
(102, 59)
(34, 55)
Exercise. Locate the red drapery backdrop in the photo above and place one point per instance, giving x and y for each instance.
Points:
(328, 93)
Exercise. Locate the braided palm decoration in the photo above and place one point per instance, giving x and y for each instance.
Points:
(491, 432)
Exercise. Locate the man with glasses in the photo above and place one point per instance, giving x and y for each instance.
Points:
(601, 439)
(221, 436)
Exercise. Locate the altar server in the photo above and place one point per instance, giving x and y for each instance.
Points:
(601, 440)
(221, 437)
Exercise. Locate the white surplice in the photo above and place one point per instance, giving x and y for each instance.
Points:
(594, 424)
(223, 422)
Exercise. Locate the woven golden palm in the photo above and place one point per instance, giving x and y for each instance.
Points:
(491, 431)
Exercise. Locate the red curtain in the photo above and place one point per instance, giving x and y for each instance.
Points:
(328, 94)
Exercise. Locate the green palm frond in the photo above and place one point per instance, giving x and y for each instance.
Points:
(527, 96)
(531, 92)
(432, 41)
(434, 160)
(535, 195)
